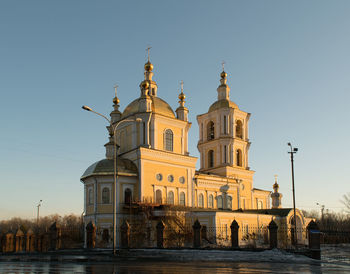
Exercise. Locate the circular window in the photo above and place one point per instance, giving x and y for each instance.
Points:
(159, 177)
(171, 178)
(182, 180)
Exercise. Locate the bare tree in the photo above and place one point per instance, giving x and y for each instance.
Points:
(346, 202)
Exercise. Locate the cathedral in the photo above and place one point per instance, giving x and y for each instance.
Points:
(148, 162)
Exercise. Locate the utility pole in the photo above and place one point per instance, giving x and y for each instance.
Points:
(292, 152)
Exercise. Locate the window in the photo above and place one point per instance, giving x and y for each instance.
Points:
(225, 125)
(260, 204)
(105, 195)
(127, 196)
(105, 235)
(90, 198)
(225, 154)
(210, 131)
(239, 129)
(200, 200)
(239, 157)
(168, 140)
(182, 199)
(229, 202)
(220, 204)
(211, 201)
(159, 196)
(211, 158)
(171, 198)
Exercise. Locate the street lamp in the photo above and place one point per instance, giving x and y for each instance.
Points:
(115, 155)
(37, 214)
(292, 152)
(322, 210)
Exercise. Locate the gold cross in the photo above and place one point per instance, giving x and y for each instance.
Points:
(182, 86)
(275, 177)
(223, 65)
(148, 48)
(115, 89)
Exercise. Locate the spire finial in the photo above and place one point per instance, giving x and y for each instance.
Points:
(148, 48)
(223, 65)
(182, 96)
(275, 177)
(116, 100)
(115, 89)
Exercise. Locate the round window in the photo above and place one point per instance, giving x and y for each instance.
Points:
(171, 178)
(159, 177)
(182, 180)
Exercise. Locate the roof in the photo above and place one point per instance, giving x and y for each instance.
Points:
(222, 104)
(106, 167)
(159, 106)
(282, 212)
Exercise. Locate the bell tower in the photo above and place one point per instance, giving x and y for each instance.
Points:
(223, 136)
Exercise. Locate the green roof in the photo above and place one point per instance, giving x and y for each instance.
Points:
(106, 167)
(282, 212)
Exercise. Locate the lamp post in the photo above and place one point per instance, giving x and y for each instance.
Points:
(322, 210)
(115, 155)
(292, 152)
(37, 213)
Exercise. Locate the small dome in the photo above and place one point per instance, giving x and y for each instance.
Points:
(222, 104)
(223, 74)
(159, 106)
(116, 100)
(106, 167)
(148, 66)
(182, 96)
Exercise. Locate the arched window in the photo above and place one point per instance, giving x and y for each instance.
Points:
(200, 200)
(90, 198)
(170, 198)
(210, 131)
(211, 158)
(159, 196)
(220, 204)
(105, 195)
(239, 129)
(229, 202)
(211, 201)
(182, 199)
(260, 205)
(239, 157)
(225, 124)
(127, 196)
(168, 140)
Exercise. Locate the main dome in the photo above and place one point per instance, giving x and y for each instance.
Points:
(159, 106)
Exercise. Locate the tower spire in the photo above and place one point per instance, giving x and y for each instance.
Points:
(223, 89)
(182, 111)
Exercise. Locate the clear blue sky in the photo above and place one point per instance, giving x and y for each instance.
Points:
(288, 63)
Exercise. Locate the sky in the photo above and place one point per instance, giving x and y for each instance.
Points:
(288, 64)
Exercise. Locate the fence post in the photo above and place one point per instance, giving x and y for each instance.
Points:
(273, 234)
(196, 234)
(90, 235)
(125, 234)
(19, 239)
(9, 241)
(160, 234)
(55, 236)
(234, 234)
(314, 236)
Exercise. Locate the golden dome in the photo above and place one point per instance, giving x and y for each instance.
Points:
(222, 104)
(159, 106)
(144, 85)
(223, 74)
(148, 66)
(182, 96)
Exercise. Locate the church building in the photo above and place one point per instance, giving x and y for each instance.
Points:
(154, 167)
